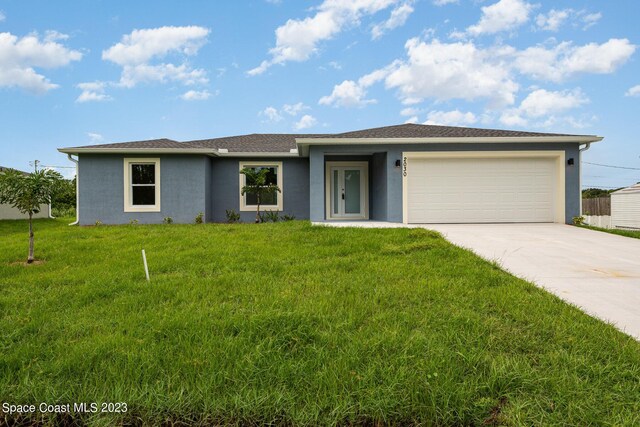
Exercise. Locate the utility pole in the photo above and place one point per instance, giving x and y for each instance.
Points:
(35, 164)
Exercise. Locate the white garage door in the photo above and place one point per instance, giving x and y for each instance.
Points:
(481, 190)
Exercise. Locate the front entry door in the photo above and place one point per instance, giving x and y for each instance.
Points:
(348, 190)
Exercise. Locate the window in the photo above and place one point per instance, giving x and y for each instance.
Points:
(274, 177)
(142, 185)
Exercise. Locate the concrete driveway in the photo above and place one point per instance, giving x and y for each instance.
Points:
(599, 272)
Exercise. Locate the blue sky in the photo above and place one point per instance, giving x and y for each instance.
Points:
(82, 72)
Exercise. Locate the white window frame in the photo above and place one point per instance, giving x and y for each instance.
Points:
(261, 164)
(128, 193)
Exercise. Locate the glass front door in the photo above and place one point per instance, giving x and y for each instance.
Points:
(348, 191)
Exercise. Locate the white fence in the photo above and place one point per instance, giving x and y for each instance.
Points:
(602, 221)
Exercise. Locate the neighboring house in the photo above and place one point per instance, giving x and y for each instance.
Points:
(407, 173)
(9, 212)
(625, 207)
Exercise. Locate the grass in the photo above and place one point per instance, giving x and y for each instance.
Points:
(621, 232)
(292, 324)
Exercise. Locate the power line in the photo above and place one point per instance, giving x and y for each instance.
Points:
(612, 166)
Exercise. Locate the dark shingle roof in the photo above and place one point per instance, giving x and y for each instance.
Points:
(150, 143)
(411, 130)
(257, 142)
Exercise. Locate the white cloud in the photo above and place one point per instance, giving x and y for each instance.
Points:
(298, 39)
(590, 20)
(92, 91)
(146, 73)
(398, 17)
(505, 15)
(463, 70)
(271, 114)
(135, 52)
(347, 94)
(95, 137)
(542, 103)
(141, 46)
(451, 118)
(54, 36)
(19, 57)
(195, 95)
(412, 119)
(513, 118)
(436, 70)
(564, 60)
(444, 2)
(552, 20)
(294, 109)
(305, 122)
(2, 16)
(452, 70)
(409, 111)
(634, 91)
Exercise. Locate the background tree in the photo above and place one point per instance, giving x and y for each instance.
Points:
(256, 181)
(63, 202)
(27, 192)
(592, 193)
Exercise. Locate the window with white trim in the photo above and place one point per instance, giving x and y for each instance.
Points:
(142, 185)
(274, 177)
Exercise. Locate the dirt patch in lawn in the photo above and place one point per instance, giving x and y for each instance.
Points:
(26, 264)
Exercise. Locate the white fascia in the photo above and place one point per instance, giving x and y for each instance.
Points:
(304, 143)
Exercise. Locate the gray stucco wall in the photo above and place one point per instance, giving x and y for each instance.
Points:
(393, 177)
(378, 177)
(194, 183)
(225, 187)
(182, 186)
(208, 194)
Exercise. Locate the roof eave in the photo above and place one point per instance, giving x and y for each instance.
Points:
(90, 150)
(205, 151)
(304, 143)
(258, 154)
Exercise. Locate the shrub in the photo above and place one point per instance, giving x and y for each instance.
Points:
(578, 220)
(269, 216)
(167, 220)
(286, 217)
(133, 222)
(98, 223)
(63, 212)
(232, 216)
(200, 218)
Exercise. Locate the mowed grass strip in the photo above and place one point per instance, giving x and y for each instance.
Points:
(619, 231)
(292, 324)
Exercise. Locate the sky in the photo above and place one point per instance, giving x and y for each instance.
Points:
(90, 72)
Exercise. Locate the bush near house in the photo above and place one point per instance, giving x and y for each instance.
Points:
(285, 323)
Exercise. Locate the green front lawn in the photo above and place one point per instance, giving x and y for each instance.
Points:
(621, 232)
(289, 323)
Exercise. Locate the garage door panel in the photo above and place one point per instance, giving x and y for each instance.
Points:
(458, 190)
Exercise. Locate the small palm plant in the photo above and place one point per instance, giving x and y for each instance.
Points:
(27, 192)
(257, 184)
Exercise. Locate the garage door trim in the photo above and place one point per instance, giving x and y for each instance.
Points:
(558, 155)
